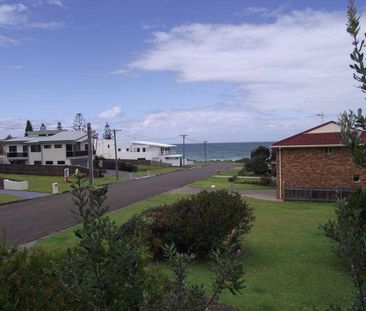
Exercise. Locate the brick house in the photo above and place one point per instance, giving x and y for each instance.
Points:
(315, 165)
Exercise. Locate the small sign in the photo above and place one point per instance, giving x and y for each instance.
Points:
(66, 174)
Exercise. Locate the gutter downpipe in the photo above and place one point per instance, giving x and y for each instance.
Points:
(280, 171)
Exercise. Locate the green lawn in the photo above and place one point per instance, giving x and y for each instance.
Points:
(145, 170)
(44, 183)
(5, 198)
(231, 172)
(223, 183)
(289, 262)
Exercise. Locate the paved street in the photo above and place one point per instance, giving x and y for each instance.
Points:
(30, 220)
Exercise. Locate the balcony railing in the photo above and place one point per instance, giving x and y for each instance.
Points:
(80, 153)
(17, 154)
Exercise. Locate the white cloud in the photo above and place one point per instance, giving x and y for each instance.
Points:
(297, 64)
(7, 41)
(110, 113)
(15, 16)
(58, 3)
(46, 25)
(216, 123)
(12, 14)
(16, 67)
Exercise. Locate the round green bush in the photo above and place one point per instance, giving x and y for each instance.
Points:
(195, 224)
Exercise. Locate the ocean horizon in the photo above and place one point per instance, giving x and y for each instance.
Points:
(219, 151)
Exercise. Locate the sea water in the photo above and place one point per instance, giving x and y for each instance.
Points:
(219, 151)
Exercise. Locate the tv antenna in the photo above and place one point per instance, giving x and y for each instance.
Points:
(321, 115)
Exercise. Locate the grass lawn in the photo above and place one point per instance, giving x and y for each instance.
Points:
(144, 170)
(289, 262)
(223, 183)
(231, 172)
(44, 183)
(5, 198)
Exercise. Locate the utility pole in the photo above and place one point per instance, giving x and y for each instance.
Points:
(90, 156)
(205, 145)
(184, 148)
(115, 151)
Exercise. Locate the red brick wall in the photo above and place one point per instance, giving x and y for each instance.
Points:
(312, 168)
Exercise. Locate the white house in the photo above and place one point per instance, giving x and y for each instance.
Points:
(57, 147)
(139, 150)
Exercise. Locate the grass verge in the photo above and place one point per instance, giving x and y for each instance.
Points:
(5, 198)
(44, 183)
(223, 183)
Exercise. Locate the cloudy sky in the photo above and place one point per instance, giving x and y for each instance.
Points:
(217, 70)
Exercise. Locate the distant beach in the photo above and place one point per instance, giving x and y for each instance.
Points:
(220, 151)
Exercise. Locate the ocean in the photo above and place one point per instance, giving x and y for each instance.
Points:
(219, 151)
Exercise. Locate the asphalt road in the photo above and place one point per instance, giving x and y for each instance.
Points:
(29, 220)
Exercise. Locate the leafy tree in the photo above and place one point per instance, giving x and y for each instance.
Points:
(259, 160)
(107, 132)
(107, 272)
(28, 127)
(348, 229)
(353, 124)
(79, 123)
(59, 126)
(43, 127)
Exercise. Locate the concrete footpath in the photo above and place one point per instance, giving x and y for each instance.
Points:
(24, 194)
(26, 221)
(256, 194)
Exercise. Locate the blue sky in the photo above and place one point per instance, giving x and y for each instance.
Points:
(216, 70)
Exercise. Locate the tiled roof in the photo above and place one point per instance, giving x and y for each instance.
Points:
(305, 138)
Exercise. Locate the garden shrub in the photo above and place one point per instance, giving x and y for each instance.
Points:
(266, 180)
(233, 178)
(123, 166)
(349, 232)
(26, 281)
(197, 223)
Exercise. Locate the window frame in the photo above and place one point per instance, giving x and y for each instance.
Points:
(328, 150)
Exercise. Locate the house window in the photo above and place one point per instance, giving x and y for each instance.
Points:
(127, 149)
(12, 148)
(58, 146)
(356, 178)
(60, 162)
(328, 150)
(49, 162)
(86, 147)
(36, 148)
(108, 146)
(143, 149)
(47, 146)
(25, 148)
(37, 162)
(119, 149)
(138, 149)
